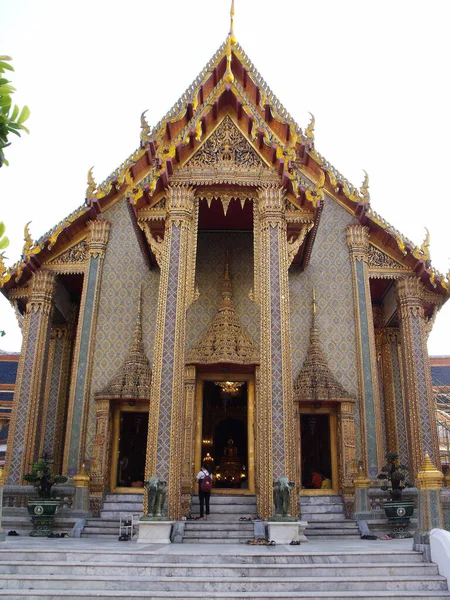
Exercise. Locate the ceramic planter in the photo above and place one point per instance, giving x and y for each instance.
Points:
(399, 515)
(42, 513)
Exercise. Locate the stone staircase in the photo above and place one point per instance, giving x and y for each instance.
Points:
(108, 524)
(223, 525)
(326, 518)
(62, 572)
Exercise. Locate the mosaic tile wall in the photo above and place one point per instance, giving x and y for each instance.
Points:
(123, 271)
(53, 395)
(330, 272)
(211, 257)
(401, 426)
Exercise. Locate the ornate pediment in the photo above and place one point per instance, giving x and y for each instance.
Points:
(225, 340)
(74, 255)
(226, 157)
(376, 259)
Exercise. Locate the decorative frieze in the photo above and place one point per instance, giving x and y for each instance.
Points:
(376, 259)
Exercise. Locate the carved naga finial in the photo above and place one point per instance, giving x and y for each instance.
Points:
(92, 186)
(309, 131)
(145, 128)
(364, 191)
(28, 245)
(425, 247)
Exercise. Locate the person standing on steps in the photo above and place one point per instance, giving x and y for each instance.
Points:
(204, 490)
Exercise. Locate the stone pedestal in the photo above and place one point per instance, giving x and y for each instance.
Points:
(285, 532)
(429, 483)
(154, 532)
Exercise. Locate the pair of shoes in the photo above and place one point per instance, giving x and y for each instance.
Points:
(385, 537)
(295, 543)
(199, 518)
(370, 537)
(13, 533)
(124, 538)
(271, 543)
(53, 535)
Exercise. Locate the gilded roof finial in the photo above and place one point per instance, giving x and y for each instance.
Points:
(364, 191)
(309, 131)
(145, 128)
(425, 247)
(232, 37)
(28, 241)
(92, 186)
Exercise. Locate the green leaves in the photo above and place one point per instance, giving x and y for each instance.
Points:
(12, 119)
(4, 241)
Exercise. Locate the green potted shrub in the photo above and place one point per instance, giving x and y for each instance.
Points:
(395, 479)
(43, 507)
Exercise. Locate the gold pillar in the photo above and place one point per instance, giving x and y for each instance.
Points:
(347, 454)
(80, 390)
(277, 443)
(101, 446)
(165, 434)
(358, 243)
(23, 439)
(420, 414)
(187, 473)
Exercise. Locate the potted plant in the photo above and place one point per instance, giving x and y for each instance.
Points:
(395, 479)
(43, 507)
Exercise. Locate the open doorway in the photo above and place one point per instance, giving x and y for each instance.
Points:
(225, 432)
(316, 452)
(129, 448)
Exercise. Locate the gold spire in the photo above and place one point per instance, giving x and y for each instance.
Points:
(232, 38)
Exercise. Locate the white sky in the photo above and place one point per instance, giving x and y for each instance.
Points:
(374, 74)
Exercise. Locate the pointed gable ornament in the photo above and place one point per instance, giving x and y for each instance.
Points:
(225, 341)
(134, 378)
(316, 382)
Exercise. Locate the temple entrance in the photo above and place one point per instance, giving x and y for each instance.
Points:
(318, 452)
(226, 441)
(129, 448)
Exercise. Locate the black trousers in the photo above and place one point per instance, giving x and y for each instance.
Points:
(204, 501)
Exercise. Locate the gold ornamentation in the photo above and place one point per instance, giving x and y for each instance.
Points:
(429, 478)
(92, 186)
(316, 382)
(318, 194)
(74, 255)
(156, 244)
(364, 191)
(309, 131)
(358, 241)
(81, 479)
(230, 387)
(97, 238)
(5, 275)
(423, 253)
(377, 259)
(295, 243)
(232, 38)
(225, 341)
(145, 129)
(134, 378)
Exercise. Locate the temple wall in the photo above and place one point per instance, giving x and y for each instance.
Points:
(123, 272)
(211, 257)
(330, 272)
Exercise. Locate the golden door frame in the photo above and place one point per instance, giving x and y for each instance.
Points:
(117, 408)
(331, 411)
(249, 378)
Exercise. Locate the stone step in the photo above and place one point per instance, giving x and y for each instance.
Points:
(135, 498)
(228, 500)
(309, 509)
(319, 517)
(331, 499)
(127, 555)
(248, 570)
(211, 526)
(202, 584)
(213, 533)
(348, 524)
(87, 595)
(123, 506)
(115, 514)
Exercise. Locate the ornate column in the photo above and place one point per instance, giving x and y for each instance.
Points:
(346, 430)
(420, 415)
(101, 445)
(358, 243)
(98, 233)
(23, 439)
(429, 484)
(188, 439)
(277, 443)
(165, 433)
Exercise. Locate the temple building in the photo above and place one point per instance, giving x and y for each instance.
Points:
(227, 296)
